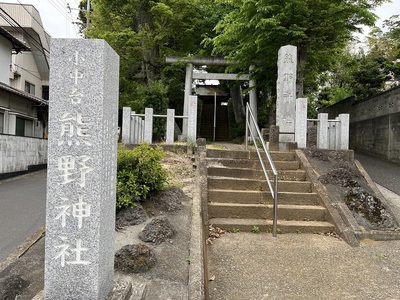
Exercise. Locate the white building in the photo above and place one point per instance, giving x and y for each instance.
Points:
(24, 71)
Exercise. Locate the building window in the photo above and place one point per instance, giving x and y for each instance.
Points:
(45, 93)
(29, 88)
(24, 127)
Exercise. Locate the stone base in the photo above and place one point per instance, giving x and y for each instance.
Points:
(126, 290)
(122, 290)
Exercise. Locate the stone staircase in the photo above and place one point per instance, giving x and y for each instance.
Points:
(239, 197)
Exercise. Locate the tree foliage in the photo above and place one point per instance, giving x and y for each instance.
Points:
(143, 33)
(367, 72)
(255, 30)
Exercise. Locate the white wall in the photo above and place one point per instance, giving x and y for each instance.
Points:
(17, 153)
(25, 64)
(5, 59)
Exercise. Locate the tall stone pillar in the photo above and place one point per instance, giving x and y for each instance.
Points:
(82, 167)
(286, 92)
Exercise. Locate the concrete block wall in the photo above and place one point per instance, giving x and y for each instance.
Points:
(17, 153)
(374, 123)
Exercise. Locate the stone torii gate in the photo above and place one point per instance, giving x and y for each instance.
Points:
(190, 76)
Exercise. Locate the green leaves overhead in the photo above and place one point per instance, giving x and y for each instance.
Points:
(254, 31)
(143, 33)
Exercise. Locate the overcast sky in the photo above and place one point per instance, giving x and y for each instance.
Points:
(58, 20)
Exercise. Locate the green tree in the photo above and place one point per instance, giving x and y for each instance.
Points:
(367, 72)
(254, 31)
(143, 33)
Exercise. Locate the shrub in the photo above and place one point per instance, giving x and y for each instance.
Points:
(139, 173)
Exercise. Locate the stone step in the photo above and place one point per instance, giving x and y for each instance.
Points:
(294, 175)
(265, 211)
(238, 196)
(252, 155)
(257, 185)
(251, 164)
(246, 225)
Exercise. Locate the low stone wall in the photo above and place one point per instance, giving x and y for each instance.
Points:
(18, 153)
(374, 124)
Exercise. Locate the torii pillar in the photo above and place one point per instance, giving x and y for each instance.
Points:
(188, 92)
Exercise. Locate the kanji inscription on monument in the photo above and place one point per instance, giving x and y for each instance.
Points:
(81, 180)
(286, 92)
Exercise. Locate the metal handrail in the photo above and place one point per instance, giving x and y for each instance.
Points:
(273, 189)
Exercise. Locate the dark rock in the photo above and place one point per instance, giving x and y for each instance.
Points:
(129, 216)
(157, 231)
(170, 199)
(344, 175)
(12, 286)
(316, 153)
(134, 259)
(369, 207)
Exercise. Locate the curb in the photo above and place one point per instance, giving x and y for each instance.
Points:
(17, 253)
(196, 277)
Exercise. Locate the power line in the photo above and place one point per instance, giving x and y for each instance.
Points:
(60, 9)
(32, 72)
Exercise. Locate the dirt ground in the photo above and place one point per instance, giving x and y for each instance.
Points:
(23, 279)
(345, 183)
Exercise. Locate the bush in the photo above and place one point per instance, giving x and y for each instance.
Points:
(139, 173)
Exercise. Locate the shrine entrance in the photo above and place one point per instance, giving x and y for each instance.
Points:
(214, 124)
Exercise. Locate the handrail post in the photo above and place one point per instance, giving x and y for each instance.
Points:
(273, 189)
(275, 212)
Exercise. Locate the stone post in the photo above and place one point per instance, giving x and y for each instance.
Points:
(140, 129)
(286, 92)
(344, 131)
(300, 130)
(322, 131)
(188, 92)
(141, 134)
(126, 125)
(253, 99)
(274, 138)
(134, 129)
(192, 119)
(337, 133)
(331, 135)
(170, 126)
(148, 126)
(81, 176)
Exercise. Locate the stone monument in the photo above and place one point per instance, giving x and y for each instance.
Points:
(81, 180)
(301, 123)
(286, 92)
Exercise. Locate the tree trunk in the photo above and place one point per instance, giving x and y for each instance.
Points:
(237, 101)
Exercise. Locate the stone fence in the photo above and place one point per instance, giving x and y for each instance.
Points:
(374, 123)
(331, 134)
(137, 128)
(18, 153)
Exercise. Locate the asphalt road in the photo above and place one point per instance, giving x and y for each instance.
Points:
(384, 173)
(22, 209)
